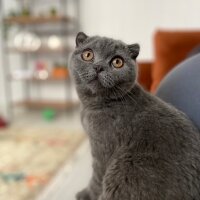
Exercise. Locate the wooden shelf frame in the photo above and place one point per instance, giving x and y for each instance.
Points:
(42, 50)
(42, 104)
(29, 20)
(40, 80)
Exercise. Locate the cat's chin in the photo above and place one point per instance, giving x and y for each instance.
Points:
(96, 87)
(100, 87)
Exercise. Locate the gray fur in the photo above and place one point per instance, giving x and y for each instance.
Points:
(142, 148)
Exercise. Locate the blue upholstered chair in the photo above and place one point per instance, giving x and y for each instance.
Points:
(181, 88)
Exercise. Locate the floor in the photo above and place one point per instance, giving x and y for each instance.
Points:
(75, 173)
(69, 120)
(72, 178)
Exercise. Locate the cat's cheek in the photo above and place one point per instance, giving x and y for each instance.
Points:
(106, 81)
(94, 87)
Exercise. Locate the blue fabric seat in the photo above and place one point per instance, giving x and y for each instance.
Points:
(181, 88)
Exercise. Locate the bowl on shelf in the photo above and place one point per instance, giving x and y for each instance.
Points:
(60, 72)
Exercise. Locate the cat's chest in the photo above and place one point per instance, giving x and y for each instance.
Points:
(105, 125)
(101, 127)
(98, 121)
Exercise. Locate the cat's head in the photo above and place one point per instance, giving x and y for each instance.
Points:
(103, 66)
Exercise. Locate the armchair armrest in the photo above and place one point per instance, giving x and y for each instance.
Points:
(144, 75)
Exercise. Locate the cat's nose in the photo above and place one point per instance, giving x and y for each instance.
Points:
(98, 68)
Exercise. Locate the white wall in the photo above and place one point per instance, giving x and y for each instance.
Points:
(133, 20)
(1, 80)
(136, 20)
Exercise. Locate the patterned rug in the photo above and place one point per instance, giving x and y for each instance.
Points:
(29, 158)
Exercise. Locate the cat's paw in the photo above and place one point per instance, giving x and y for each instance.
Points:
(83, 195)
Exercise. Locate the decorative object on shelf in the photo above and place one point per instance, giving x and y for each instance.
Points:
(54, 42)
(49, 114)
(27, 41)
(26, 12)
(40, 19)
(41, 71)
(53, 11)
(13, 13)
(59, 71)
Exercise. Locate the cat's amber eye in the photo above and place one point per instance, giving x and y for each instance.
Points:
(87, 55)
(117, 62)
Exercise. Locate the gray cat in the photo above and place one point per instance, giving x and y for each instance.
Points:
(142, 148)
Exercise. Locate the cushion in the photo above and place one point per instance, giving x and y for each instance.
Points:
(181, 88)
(171, 47)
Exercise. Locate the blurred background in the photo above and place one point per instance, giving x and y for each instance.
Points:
(42, 143)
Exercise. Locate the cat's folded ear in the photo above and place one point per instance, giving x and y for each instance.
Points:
(134, 50)
(80, 38)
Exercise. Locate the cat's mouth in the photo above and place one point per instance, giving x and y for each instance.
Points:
(101, 81)
(95, 78)
(95, 81)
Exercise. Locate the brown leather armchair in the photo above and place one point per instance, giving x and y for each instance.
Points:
(170, 48)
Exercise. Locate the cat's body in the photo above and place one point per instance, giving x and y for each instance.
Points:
(142, 148)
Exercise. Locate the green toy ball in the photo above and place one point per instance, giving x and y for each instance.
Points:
(48, 114)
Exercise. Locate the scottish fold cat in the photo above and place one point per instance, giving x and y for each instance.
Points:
(142, 148)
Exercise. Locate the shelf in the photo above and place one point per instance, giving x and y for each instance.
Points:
(40, 80)
(43, 25)
(21, 20)
(43, 50)
(41, 104)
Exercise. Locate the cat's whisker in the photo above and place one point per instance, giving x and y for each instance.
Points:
(127, 94)
(120, 97)
(86, 74)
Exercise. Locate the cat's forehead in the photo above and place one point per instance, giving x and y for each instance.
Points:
(104, 44)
